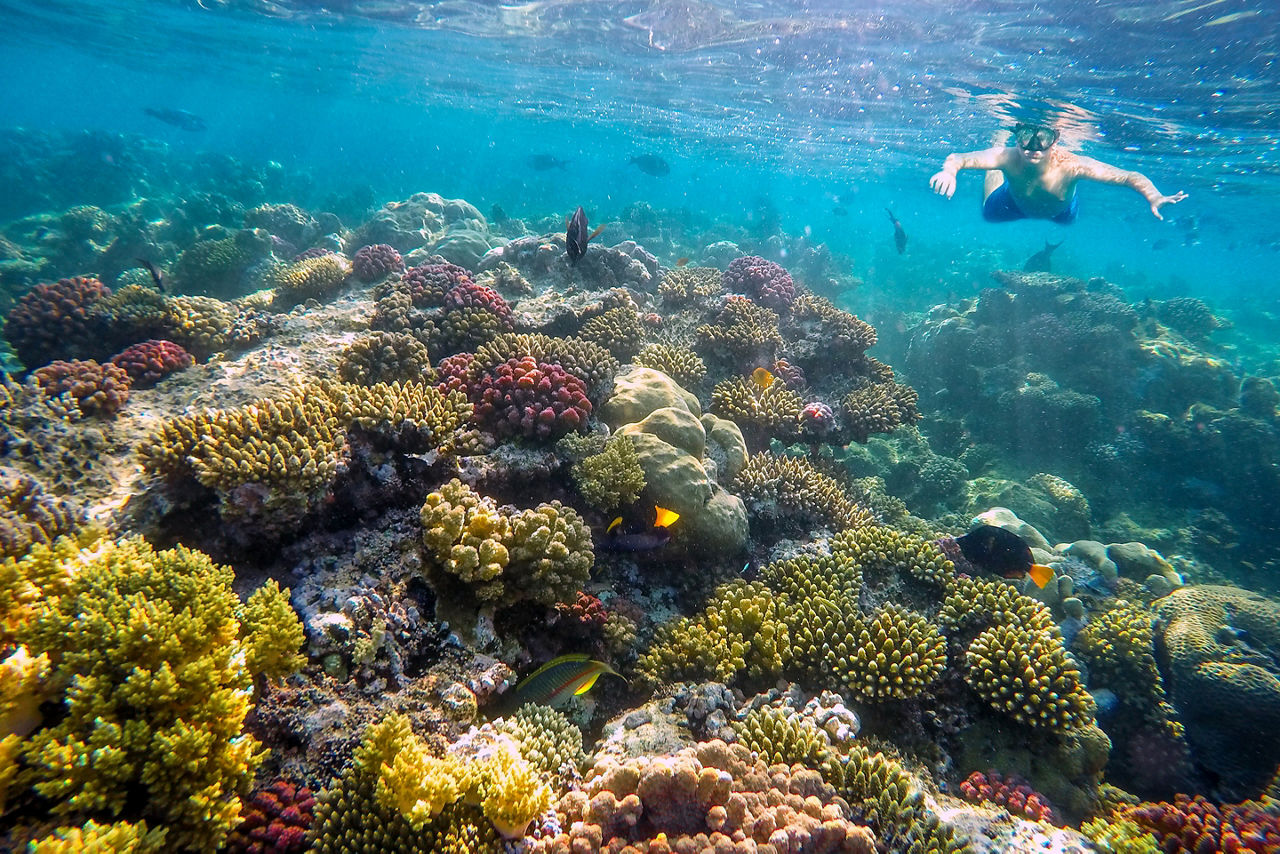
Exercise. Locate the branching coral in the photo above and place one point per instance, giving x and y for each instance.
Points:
(28, 515)
(612, 478)
(275, 821)
(680, 363)
(790, 488)
(1118, 647)
(151, 647)
(895, 654)
(618, 330)
(1191, 825)
(879, 408)
(551, 553)
(1012, 793)
(683, 285)
(762, 413)
(376, 261)
(844, 337)
(411, 416)
(121, 837)
(746, 332)
(547, 741)
(876, 550)
(385, 357)
(763, 280)
(96, 389)
(591, 363)
(465, 535)
(1027, 675)
(983, 603)
(56, 320)
(782, 738)
(531, 398)
(310, 278)
(271, 633)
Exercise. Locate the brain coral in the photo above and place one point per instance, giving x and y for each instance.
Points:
(766, 282)
(1223, 644)
(375, 262)
(56, 320)
(96, 389)
(532, 399)
(148, 362)
(154, 651)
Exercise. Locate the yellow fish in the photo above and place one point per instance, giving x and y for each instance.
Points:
(762, 378)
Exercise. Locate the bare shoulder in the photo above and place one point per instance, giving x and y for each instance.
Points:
(1087, 167)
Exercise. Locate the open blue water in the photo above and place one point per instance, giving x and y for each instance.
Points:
(791, 105)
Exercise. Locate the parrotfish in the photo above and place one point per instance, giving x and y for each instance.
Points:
(899, 236)
(1003, 553)
(561, 679)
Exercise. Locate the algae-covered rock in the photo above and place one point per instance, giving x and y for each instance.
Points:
(639, 391)
(1137, 561)
(1093, 553)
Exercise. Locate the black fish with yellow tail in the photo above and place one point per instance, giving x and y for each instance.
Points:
(1003, 553)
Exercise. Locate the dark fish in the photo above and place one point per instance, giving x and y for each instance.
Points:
(1002, 552)
(1041, 262)
(561, 679)
(1159, 244)
(177, 118)
(651, 164)
(497, 214)
(646, 533)
(155, 273)
(576, 237)
(839, 211)
(544, 162)
(899, 236)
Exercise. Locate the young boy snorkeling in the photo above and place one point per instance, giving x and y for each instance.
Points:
(1034, 178)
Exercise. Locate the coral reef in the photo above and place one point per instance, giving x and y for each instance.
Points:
(781, 490)
(94, 389)
(385, 357)
(53, 321)
(680, 363)
(1027, 675)
(618, 330)
(275, 820)
(376, 261)
(762, 280)
(1012, 793)
(747, 333)
(148, 362)
(310, 278)
(879, 408)
(1193, 824)
(612, 478)
(895, 654)
(763, 413)
(29, 515)
(534, 399)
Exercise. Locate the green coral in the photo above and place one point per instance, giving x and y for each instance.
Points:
(1118, 647)
(548, 741)
(463, 329)
(385, 357)
(983, 603)
(1119, 836)
(821, 593)
(156, 660)
(618, 330)
(878, 550)
(680, 363)
(1027, 674)
(613, 477)
(879, 408)
(894, 655)
(272, 633)
(783, 738)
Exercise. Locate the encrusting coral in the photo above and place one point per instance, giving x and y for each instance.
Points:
(156, 662)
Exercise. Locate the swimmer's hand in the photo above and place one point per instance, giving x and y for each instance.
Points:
(1164, 200)
(944, 183)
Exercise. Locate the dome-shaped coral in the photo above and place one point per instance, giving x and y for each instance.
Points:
(96, 389)
(376, 262)
(533, 399)
(56, 320)
(148, 362)
(763, 280)
(1027, 675)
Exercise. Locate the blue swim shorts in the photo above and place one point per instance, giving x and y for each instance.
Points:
(1000, 207)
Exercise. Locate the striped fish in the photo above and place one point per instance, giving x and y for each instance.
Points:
(560, 679)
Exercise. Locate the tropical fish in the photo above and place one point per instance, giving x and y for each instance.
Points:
(543, 162)
(177, 118)
(682, 261)
(560, 680)
(838, 210)
(155, 274)
(576, 237)
(651, 164)
(640, 535)
(1041, 262)
(762, 378)
(1003, 553)
(899, 236)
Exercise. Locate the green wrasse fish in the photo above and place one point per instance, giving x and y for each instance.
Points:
(560, 679)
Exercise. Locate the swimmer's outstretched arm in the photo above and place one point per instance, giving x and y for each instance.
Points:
(944, 182)
(1096, 170)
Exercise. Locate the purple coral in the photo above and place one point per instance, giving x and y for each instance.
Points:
(526, 397)
(53, 320)
(817, 418)
(376, 261)
(764, 281)
(429, 283)
(151, 361)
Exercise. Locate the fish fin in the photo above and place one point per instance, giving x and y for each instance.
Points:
(594, 234)
(555, 662)
(665, 518)
(617, 520)
(588, 685)
(1040, 574)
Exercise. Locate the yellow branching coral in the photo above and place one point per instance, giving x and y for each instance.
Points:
(821, 593)
(845, 335)
(547, 741)
(308, 278)
(26, 581)
(879, 549)
(23, 686)
(466, 535)
(682, 285)
(982, 602)
(419, 785)
(680, 363)
(879, 408)
(510, 791)
(1119, 836)
(781, 488)
(149, 645)
(743, 330)
(618, 330)
(782, 738)
(1118, 645)
(416, 417)
(613, 477)
(384, 357)
(551, 553)
(894, 655)
(272, 633)
(1026, 674)
(765, 413)
(121, 837)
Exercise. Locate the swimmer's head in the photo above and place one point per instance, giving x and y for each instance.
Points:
(1033, 138)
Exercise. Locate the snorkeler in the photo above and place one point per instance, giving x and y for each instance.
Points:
(1034, 178)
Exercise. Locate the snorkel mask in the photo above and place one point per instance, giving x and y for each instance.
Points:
(1034, 137)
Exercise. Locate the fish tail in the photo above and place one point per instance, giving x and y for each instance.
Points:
(1040, 574)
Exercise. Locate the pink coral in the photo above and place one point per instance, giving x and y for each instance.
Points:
(376, 261)
(453, 372)
(531, 398)
(97, 389)
(766, 282)
(790, 373)
(817, 419)
(151, 361)
(53, 320)
(1193, 825)
(429, 283)
(468, 294)
(1012, 792)
(275, 821)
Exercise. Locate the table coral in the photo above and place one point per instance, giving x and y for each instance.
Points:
(763, 280)
(680, 363)
(376, 261)
(152, 647)
(385, 357)
(55, 320)
(96, 389)
(1027, 675)
(712, 797)
(148, 362)
(1193, 825)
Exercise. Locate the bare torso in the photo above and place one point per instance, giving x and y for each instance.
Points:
(1041, 189)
